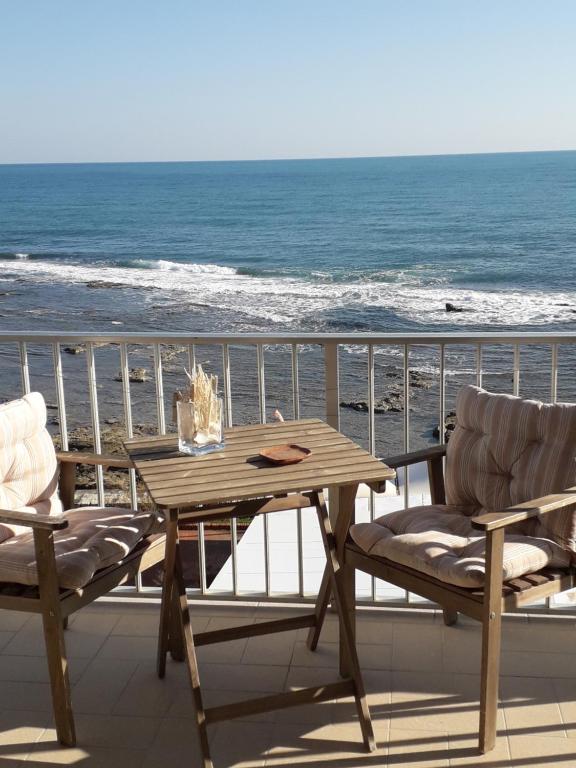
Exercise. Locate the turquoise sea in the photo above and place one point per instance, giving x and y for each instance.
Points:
(375, 244)
(360, 244)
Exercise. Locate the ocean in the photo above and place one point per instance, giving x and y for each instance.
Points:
(351, 245)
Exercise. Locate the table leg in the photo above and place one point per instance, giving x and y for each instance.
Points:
(345, 518)
(167, 589)
(336, 575)
(185, 632)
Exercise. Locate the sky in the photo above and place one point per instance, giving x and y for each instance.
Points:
(143, 80)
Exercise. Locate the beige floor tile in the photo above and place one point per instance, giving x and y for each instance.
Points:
(113, 732)
(435, 702)
(418, 748)
(538, 637)
(243, 677)
(51, 753)
(331, 745)
(325, 655)
(530, 707)
(229, 652)
(12, 621)
(274, 649)
(538, 664)
(119, 647)
(464, 751)
(19, 732)
(101, 685)
(240, 745)
(565, 695)
(416, 648)
(176, 743)
(146, 695)
(34, 669)
(96, 623)
(462, 644)
(542, 752)
(30, 642)
(374, 629)
(373, 656)
(330, 632)
(16, 695)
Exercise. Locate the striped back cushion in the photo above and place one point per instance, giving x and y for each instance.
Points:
(28, 466)
(505, 450)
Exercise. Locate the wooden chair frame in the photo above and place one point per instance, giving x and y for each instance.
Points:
(487, 605)
(55, 604)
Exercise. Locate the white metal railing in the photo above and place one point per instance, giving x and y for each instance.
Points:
(20, 366)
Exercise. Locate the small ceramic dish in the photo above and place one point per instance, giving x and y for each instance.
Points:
(285, 454)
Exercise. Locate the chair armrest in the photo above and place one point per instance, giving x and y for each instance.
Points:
(426, 454)
(47, 522)
(96, 459)
(493, 520)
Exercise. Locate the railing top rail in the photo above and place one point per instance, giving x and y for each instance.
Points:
(473, 337)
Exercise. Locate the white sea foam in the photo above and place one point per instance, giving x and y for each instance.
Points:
(22, 256)
(287, 300)
(176, 266)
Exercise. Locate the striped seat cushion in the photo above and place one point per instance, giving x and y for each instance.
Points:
(440, 541)
(96, 537)
(503, 451)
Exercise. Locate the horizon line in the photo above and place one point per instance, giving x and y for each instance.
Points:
(292, 159)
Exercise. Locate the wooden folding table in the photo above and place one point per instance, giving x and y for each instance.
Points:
(237, 482)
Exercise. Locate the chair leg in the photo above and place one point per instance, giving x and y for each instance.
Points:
(450, 617)
(491, 638)
(59, 682)
(489, 683)
(54, 636)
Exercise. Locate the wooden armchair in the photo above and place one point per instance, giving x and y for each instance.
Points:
(55, 559)
(481, 548)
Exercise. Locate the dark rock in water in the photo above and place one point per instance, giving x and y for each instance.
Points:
(77, 349)
(113, 285)
(137, 375)
(453, 308)
(393, 402)
(449, 426)
(420, 380)
(355, 405)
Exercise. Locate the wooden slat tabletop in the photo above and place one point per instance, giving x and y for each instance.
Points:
(175, 480)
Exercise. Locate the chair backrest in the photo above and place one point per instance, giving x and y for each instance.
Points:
(505, 450)
(28, 465)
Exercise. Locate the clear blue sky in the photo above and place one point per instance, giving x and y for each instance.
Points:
(107, 80)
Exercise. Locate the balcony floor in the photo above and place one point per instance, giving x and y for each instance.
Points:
(422, 680)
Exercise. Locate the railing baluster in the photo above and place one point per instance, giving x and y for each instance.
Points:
(127, 403)
(159, 390)
(516, 369)
(371, 442)
(406, 421)
(93, 395)
(295, 383)
(202, 558)
(24, 370)
(479, 371)
(261, 383)
(59, 378)
(191, 357)
(228, 422)
(442, 423)
(554, 374)
(406, 377)
(226, 385)
(262, 404)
